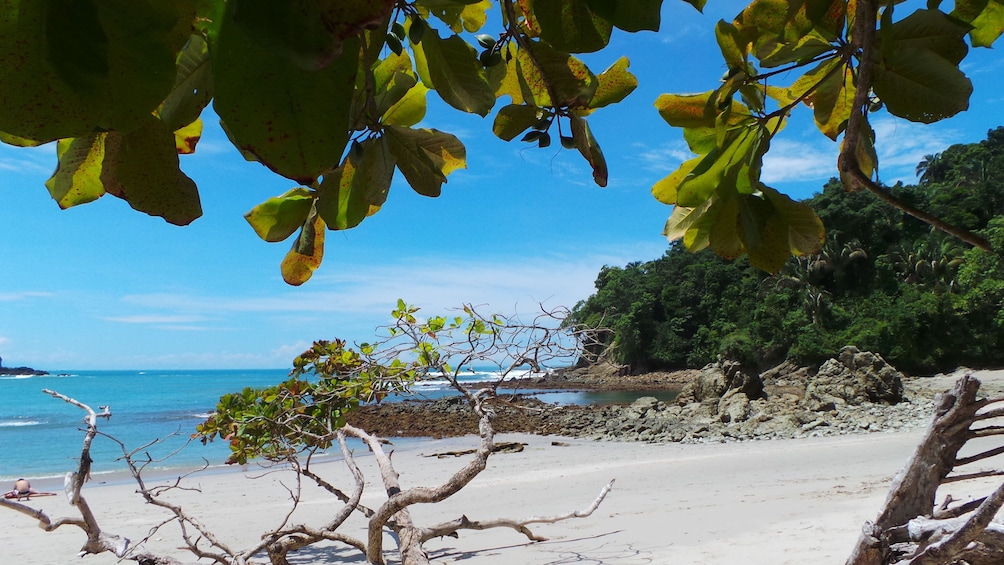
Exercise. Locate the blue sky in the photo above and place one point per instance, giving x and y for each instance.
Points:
(103, 287)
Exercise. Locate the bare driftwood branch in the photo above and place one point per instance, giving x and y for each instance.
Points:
(968, 476)
(910, 529)
(510, 342)
(464, 523)
(949, 549)
(98, 541)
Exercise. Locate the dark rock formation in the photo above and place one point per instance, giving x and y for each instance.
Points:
(856, 393)
(855, 377)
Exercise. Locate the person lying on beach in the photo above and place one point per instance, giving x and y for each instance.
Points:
(22, 489)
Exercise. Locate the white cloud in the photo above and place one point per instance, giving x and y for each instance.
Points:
(12, 296)
(289, 351)
(188, 360)
(28, 160)
(155, 319)
(665, 158)
(902, 144)
(184, 328)
(790, 161)
(431, 283)
(688, 32)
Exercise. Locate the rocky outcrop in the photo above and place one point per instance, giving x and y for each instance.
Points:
(726, 388)
(853, 378)
(855, 393)
(718, 379)
(652, 421)
(21, 371)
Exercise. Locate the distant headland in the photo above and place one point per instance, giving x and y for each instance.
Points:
(19, 370)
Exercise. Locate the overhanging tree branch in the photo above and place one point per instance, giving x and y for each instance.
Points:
(847, 162)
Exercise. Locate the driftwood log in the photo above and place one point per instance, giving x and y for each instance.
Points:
(912, 528)
(393, 515)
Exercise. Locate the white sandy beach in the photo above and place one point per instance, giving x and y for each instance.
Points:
(770, 502)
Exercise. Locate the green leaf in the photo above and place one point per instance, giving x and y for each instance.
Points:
(409, 110)
(394, 44)
(193, 85)
(571, 26)
(666, 190)
(589, 149)
(392, 79)
(867, 157)
(614, 84)
(307, 33)
(832, 101)
(505, 79)
(762, 21)
(550, 71)
(732, 46)
(141, 167)
(933, 31)
(514, 119)
(359, 187)
(376, 171)
(636, 15)
(70, 67)
(805, 49)
(341, 204)
(451, 67)
(723, 234)
(425, 157)
(307, 252)
(295, 121)
(986, 17)
(827, 17)
(764, 234)
(920, 85)
(696, 110)
(18, 141)
(802, 227)
(532, 136)
(416, 29)
(721, 165)
(77, 179)
(278, 218)
(692, 225)
(460, 15)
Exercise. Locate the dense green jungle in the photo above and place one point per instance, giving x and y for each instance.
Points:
(884, 282)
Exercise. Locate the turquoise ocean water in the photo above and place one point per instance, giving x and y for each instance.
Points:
(40, 436)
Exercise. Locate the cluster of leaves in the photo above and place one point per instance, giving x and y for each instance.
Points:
(327, 381)
(331, 379)
(855, 58)
(326, 93)
(884, 282)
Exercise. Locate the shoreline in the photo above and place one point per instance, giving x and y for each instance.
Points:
(772, 502)
(776, 502)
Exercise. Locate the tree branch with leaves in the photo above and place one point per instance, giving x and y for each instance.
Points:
(293, 421)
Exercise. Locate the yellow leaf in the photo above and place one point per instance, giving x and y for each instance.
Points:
(185, 138)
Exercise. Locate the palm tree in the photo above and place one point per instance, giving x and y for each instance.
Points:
(801, 273)
(931, 263)
(929, 169)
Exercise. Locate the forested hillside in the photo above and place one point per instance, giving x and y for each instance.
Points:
(884, 282)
